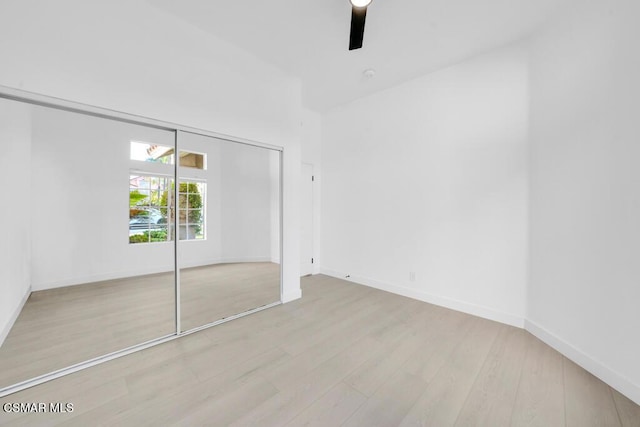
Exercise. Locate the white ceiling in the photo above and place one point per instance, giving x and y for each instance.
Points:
(403, 38)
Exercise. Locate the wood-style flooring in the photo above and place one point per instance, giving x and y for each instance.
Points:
(343, 355)
(63, 326)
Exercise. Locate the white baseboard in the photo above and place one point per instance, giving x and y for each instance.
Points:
(114, 275)
(238, 260)
(291, 296)
(463, 306)
(590, 364)
(7, 328)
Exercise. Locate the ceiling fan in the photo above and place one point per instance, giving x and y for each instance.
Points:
(358, 16)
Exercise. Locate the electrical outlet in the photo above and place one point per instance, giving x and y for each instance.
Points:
(412, 276)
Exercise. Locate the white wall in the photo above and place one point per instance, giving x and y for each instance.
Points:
(584, 291)
(15, 165)
(311, 137)
(243, 210)
(79, 201)
(246, 233)
(193, 253)
(275, 208)
(128, 56)
(430, 177)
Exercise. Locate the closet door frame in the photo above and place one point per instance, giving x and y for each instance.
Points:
(80, 108)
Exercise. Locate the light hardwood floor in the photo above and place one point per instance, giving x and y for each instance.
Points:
(60, 327)
(342, 355)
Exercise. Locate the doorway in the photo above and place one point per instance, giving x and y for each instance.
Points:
(306, 220)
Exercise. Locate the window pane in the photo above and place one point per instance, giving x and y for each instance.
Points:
(149, 201)
(195, 216)
(146, 152)
(192, 160)
(191, 203)
(151, 209)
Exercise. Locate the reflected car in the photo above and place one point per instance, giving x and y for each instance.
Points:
(151, 219)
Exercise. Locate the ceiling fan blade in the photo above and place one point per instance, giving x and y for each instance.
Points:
(358, 15)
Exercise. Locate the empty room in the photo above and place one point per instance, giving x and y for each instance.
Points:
(331, 213)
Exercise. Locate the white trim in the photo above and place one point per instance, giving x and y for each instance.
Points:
(176, 233)
(124, 274)
(235, 260)
(307, 267)
(463, 306)
(317, 218)
(77, 107)
(185, 173)
(232, 317)
(61, 104)
(14, 388)
(12, 320)
(291, 296)
(589, 363)
(139, 167)
(281, 230)
(114, 275)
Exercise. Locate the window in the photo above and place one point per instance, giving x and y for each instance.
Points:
(152, 195)
(145, 152)
(148, 209)
(191, 203)
(192, 160)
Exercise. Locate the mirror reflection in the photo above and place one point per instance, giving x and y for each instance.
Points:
(87, 252)
(96, 209)
(229, 226)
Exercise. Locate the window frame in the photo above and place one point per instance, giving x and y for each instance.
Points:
(185, 174)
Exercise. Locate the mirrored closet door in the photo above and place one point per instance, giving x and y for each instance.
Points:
(119, 233)
(229, 228)
(87, 248)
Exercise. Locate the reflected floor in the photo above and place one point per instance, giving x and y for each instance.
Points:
(214, 292)
(63, 326)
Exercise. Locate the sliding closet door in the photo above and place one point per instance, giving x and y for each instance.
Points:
(90, 269)
(229, 228)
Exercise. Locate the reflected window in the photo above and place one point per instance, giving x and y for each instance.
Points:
(149, 201)
(145, 152)
(193, 160)
(152, 207)
(191, 204)
(152, 204)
